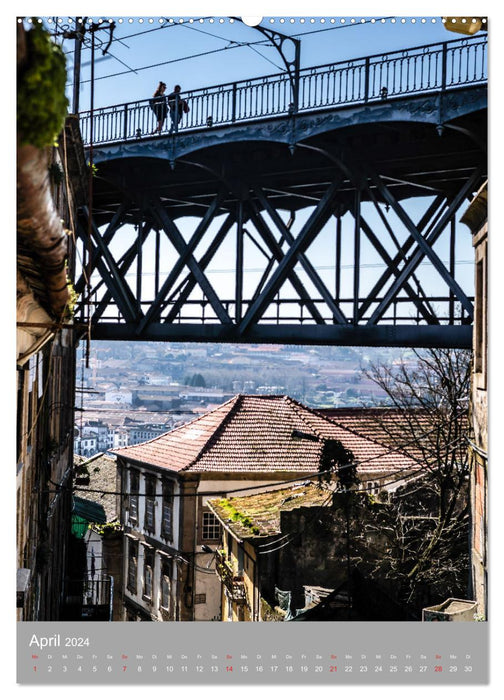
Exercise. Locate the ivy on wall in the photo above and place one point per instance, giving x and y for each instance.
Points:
(41, 101)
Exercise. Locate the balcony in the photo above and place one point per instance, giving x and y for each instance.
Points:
(235, 585)
(89, 599)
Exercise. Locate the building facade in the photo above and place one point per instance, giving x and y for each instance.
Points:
(246, 444)
(476, 218)
(45, 347)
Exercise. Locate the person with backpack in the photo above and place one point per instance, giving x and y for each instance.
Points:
(178, 107)
(159, 107)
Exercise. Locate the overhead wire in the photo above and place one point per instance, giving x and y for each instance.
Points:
(341, 26)
(298, 479)
(296, 534)
(165, 63)
(235, 44)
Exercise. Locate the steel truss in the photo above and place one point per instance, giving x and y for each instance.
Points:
(188, 302)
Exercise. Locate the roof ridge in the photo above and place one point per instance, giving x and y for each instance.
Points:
(179, 427)
(237, 402)
(374, 440)
(314, 412)
(301, 408)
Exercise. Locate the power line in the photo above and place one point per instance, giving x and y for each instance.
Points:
(131, 36)
(296, 534)
(234, 45)
(165, 63)
(341, 26)
(313, 475)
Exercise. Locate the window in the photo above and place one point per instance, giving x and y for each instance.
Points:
(166, 583)
(132, 564)
(147, 573)
(210, 527)
(167, 511)
(133, 496)
(150, 502)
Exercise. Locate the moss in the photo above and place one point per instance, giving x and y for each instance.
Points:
(236, 517)
(41, 101)
(107, 528)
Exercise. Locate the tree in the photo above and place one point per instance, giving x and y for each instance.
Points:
(429, 520)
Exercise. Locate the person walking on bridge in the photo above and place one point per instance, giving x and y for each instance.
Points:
(178, 107)
(159, 107)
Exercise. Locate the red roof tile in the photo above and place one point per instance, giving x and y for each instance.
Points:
(260, 434)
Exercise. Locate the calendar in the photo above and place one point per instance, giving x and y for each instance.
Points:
(336, 653)
(254, 251)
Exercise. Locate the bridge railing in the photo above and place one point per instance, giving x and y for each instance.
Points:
(295, 311)
(432, 67)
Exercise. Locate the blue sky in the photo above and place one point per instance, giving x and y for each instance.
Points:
(149, 48)
(191, 74)
(146, 50)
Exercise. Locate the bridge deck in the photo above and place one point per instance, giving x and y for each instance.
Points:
(424, 140)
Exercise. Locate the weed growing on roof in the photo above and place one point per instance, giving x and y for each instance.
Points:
(236, 517)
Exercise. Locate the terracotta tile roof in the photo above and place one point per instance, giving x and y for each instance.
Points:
(259, 515)
(260, 434)
(393, 427)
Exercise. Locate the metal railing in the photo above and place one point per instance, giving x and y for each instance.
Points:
(291, 310)
(432, 67)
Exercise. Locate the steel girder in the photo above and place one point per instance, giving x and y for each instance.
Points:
(188, 302)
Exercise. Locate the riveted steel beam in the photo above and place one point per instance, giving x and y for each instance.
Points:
(308, 233)
(303, 260)
(107, 267)
(425, 245)
(184, 255)
(421, 336)
(178, 241)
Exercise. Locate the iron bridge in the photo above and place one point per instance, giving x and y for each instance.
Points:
(333, 219)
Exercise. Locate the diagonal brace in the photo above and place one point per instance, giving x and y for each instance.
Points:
(181, 262)
(308, 233)
(105, 263)
(303, 260)
(424, 245)
(180, 245)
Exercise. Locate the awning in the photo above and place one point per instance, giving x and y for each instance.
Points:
(88, 510)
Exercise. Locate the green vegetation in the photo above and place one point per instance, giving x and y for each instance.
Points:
(197, 379)
(107, 528)
(72, 300)
(41, 101)
(236, 517)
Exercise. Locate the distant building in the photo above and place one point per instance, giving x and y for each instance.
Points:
(158, 398)
(204, 395)
(98, 430)
(117, 437)
(85, 445)
(145, 431)
(246, 443)
(120, 397)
